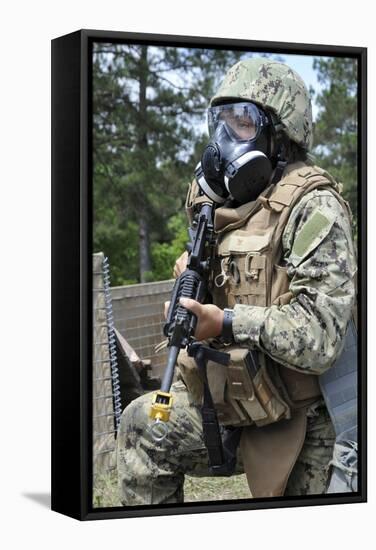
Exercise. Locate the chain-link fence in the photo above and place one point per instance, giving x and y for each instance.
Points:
(123, 357)
(106, 388)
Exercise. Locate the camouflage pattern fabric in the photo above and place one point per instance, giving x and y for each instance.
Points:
(153, 473)
(273, 86)
(311, 473)
(308, 333)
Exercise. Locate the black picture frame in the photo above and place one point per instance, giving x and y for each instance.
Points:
(71, 273)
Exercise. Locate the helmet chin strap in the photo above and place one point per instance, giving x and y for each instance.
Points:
(280, 155)
(278, 171)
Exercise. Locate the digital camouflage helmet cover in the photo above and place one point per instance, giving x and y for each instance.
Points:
(273, 86)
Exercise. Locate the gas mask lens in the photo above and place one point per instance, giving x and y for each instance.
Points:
(243, 120)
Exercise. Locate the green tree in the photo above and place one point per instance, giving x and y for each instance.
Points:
(336, 127)
(148, 106)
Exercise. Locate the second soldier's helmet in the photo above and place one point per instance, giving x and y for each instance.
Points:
(275, 87)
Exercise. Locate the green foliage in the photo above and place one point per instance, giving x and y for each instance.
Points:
(164, 254)
(148, 111)
(336, 128)
(149, 130)
(149, 108)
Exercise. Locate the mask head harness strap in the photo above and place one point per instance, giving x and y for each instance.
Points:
(280, 154)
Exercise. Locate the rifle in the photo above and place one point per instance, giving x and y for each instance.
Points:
(180, 328)
(180, 323)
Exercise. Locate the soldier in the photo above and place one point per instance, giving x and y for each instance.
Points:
(282, 286)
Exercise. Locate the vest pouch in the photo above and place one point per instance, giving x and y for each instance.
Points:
(189, 201)
(240, 392)
(193, 199)
(244, 266)
(302, 388)
(243, 393)
(253, 286)
(188, 372)
(228, 410)
(228, 413)
(251, 391)
(269, 396)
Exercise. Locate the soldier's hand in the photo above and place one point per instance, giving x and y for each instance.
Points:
(209, 318)
(180, 264)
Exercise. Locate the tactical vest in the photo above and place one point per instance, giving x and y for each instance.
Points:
(247, 270)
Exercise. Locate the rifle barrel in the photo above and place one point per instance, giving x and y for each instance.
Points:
(170, 368)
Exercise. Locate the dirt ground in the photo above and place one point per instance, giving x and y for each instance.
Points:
(196, 489)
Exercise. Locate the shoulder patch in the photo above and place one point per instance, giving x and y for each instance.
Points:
(310, 235)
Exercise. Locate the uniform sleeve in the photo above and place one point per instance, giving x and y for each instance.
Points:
(307, 334)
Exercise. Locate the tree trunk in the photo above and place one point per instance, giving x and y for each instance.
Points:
(144, 247)
(144, 241)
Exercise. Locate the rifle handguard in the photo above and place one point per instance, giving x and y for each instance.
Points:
(181, 323)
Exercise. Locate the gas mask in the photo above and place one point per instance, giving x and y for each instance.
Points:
(236, 162)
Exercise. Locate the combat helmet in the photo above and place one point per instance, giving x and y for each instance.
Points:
(273, 86)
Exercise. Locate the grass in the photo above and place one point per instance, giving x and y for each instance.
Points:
(105, 492)
(196, 489)
(199, 489)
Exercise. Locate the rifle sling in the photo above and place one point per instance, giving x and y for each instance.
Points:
(221, 453)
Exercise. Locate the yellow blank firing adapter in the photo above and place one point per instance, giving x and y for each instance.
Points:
(160, 412)
(161, 406)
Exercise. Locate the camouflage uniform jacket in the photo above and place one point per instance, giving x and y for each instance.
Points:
(307, 334)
